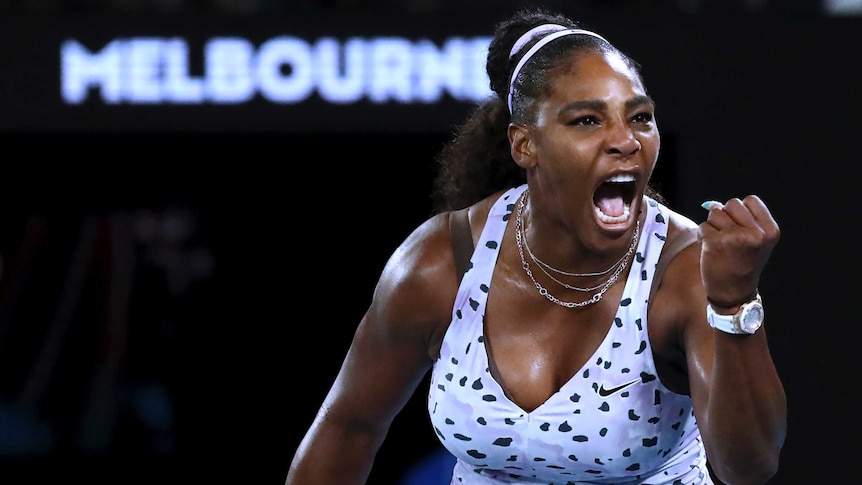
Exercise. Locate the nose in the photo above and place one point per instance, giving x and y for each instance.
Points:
(622, 140)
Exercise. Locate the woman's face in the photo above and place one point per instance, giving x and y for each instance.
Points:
(595, 143)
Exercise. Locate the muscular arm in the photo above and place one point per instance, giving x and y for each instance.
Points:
(739, 400)
(387, 359)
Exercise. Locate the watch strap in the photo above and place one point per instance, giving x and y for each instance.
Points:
(732, 323)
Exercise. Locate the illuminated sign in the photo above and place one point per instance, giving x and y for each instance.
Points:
(283, 70)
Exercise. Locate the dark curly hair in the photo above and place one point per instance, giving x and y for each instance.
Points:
(477, 161)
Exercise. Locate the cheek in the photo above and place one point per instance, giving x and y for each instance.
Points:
(574, 161)
(650, 144)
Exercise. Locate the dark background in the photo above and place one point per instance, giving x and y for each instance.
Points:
(175, 303)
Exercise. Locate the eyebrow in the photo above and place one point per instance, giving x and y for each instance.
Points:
(596, 105)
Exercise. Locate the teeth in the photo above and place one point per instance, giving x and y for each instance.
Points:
(614, 220)
(623, 177)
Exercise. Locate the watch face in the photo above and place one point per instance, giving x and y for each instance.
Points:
(752, 318)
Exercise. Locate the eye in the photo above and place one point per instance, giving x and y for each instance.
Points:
(645, 117)
(585, 121)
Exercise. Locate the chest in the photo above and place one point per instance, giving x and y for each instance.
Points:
(534, 347)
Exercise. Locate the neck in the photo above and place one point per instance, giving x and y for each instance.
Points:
(567, 257)
(608, 277)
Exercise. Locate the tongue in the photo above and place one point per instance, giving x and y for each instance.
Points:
(612, 206)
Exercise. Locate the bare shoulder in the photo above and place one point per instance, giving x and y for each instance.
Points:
(677, 298)
(680, 256)
(679, 224)
(417, 285)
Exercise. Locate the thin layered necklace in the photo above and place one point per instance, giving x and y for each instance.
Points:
(615, 270)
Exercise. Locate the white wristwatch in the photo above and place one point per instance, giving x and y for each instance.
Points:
(746, 321)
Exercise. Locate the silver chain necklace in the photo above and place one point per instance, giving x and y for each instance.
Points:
(542, 264)
(520, 238)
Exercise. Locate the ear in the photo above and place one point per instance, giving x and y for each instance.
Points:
(521, 145)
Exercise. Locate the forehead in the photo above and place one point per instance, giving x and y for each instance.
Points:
(599, 75)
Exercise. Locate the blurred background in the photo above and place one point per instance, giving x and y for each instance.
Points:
(197, 197)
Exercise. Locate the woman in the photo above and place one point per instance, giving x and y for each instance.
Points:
(596, 336)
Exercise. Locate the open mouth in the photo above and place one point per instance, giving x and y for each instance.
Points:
(613, 198)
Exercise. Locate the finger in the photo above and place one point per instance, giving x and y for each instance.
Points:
(764, 218)
(739, 213)
(718, 216)
(711, 203)
(714, 207)
(758, 209)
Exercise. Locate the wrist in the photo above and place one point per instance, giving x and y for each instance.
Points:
(746, 320)
(729, 308)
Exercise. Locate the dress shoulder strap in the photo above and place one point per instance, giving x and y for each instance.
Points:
(462, 239)
(683, 239)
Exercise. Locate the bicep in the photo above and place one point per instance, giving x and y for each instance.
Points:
(679, 333)
(695, 334)
(377, 377)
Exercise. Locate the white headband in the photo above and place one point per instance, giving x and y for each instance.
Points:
(538, 45)
(522, 40)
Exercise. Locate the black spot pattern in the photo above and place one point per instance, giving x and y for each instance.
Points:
(594, 443)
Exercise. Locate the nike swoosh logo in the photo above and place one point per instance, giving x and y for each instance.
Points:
(607, 392)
